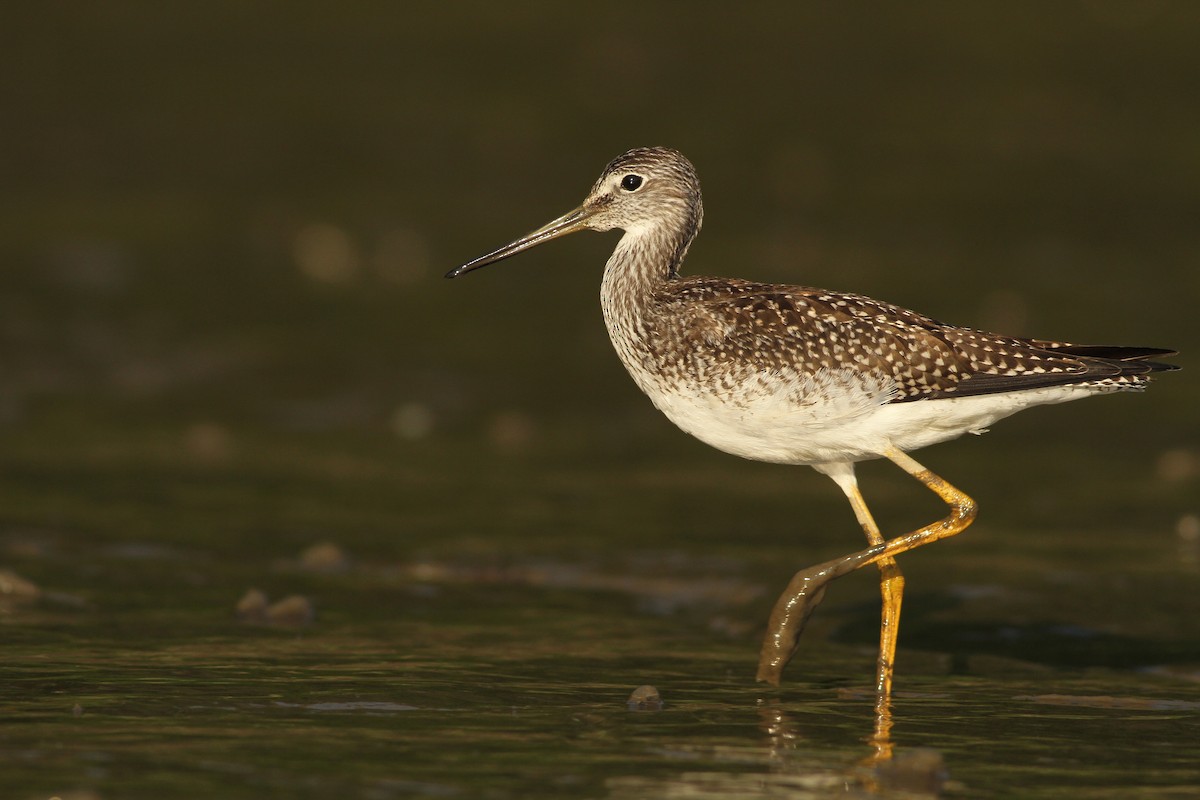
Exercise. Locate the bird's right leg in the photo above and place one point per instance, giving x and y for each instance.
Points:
(891, 581)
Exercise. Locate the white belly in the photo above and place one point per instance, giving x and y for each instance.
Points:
(838, 416)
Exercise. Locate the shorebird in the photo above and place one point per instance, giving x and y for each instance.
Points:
(798, 375)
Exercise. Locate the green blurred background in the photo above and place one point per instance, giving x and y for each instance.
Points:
(225, 334)
(240, 212)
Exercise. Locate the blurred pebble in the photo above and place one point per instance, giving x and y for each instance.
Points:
(1188, 528)
(429, 571)
(324, 557)
(511, 431)
(77, 710)
(644, 698)
(920, 771)
(252, 607)
(1178, 465)
(208, 442)
(293, 611)
(325, 253)
(27, 545)
(412, 421)
(731, 627)
(92, 265)
(17, 591)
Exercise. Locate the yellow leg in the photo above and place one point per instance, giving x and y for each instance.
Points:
(807, 587)
(891, 586)
(891, 581)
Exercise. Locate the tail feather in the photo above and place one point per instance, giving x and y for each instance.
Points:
(1129, 360)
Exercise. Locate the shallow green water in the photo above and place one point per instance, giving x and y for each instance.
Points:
(449, 659)
(224, 340)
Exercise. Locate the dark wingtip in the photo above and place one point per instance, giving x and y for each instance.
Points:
(1158, 366)
(1129, 360)
(1113, 352)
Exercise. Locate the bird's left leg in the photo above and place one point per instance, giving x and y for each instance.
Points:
(807, 588)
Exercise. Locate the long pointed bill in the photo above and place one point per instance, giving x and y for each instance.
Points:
(567, 223)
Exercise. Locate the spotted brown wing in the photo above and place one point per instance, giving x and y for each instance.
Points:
(772, 327)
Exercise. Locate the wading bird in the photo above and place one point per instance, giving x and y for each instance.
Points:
(797, 375)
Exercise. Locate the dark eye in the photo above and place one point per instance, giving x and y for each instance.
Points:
(630, 183)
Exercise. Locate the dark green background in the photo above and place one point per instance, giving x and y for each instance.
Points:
(224, 337)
